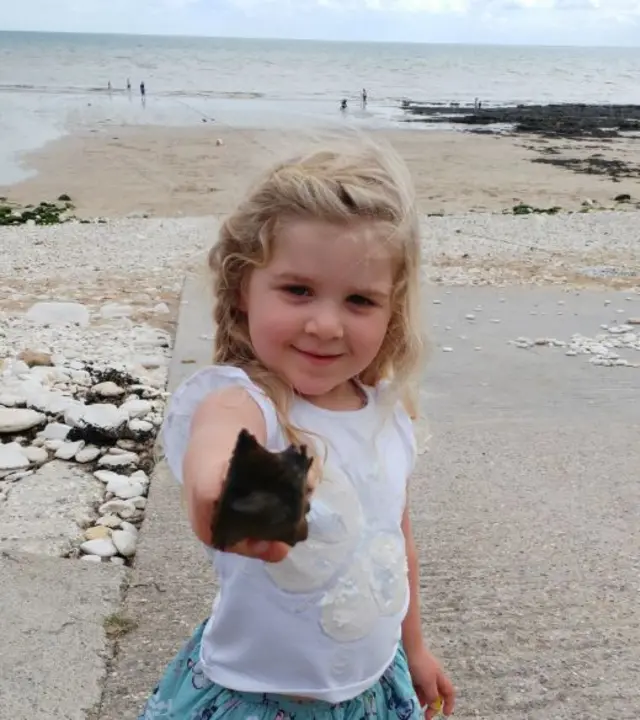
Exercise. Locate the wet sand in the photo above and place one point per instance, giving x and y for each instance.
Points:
(117, 171)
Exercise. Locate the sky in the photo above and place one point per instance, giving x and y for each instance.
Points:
(534, 22)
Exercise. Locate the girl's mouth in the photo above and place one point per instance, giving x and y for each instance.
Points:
(318, 358)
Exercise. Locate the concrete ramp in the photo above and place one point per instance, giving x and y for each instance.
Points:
(52, 627)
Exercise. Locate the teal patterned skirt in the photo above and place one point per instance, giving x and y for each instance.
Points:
(184, 693)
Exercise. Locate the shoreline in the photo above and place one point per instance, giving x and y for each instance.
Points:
(131, 170)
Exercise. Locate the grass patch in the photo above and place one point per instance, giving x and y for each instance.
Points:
(117, 626)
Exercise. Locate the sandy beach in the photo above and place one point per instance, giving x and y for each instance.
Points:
(116, 171)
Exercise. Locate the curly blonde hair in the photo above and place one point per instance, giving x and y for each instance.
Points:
(362, 182)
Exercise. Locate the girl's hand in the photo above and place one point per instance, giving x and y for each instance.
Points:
(271, 552)
(431, 684)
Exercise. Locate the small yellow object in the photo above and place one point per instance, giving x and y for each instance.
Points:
(437, 705)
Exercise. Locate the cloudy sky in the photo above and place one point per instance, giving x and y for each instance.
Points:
(570, 22)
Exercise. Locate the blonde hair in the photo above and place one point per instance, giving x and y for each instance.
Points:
(363, 182)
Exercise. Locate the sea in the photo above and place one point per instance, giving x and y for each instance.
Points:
(55, 83)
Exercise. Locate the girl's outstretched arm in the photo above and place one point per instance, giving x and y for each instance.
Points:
(214, 431)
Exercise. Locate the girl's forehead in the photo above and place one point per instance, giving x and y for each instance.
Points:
(314, 243)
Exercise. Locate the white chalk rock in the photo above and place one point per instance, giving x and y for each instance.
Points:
(107, 476)
(58, 313)
(87, 454)
(123, 460)
(55, 431)
(13, 420)
(124, 489)
(37, 455)
(140, 426)
(125, 542)
(67, 450)
(10, 400)
(140, 476)
(108, 389)
(52, 403)
(122, 508)
(91, 558)
(13, 458)
(110, 521)
(104, 416)
(129, 527)
(136, 408)
(73, 415)
(103, 547)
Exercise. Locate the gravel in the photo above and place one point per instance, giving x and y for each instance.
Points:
(143, 261)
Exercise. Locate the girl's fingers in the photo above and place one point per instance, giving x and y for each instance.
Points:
(448, 694)
(261, 550)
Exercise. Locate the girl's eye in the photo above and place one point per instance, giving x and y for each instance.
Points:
(298, 290)
(360, 300)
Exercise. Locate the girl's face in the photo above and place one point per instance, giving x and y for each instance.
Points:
(318, 312)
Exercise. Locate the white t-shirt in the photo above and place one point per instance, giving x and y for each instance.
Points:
(325, 622)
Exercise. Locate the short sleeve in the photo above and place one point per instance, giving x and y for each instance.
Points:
(407, 436)
(188, 396)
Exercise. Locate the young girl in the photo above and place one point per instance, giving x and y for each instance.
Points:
(318, 341)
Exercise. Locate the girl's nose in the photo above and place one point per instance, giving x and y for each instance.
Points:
(325, 323)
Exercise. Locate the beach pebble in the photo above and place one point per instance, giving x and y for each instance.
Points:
(58, 313)
(122, 508)
(140, 426)
(87, 454)
(35, 358)
(124, 459)
(106, 476)
(108, 389)
(109, 521)
(53, 445)
(104, 416)
(68, 449)
(10, 400)
(102, 547)
(14, 420)
(12, 457)
(73, 415)
(125, 542)
(117, 560)
(99, 532)
(122, 488)
(91, 558)
(129, 527)
(136, 408)
(36, 455)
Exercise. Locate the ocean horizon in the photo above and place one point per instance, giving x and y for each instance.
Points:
(55, 83)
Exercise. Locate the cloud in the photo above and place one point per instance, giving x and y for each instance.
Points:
(511, 21)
